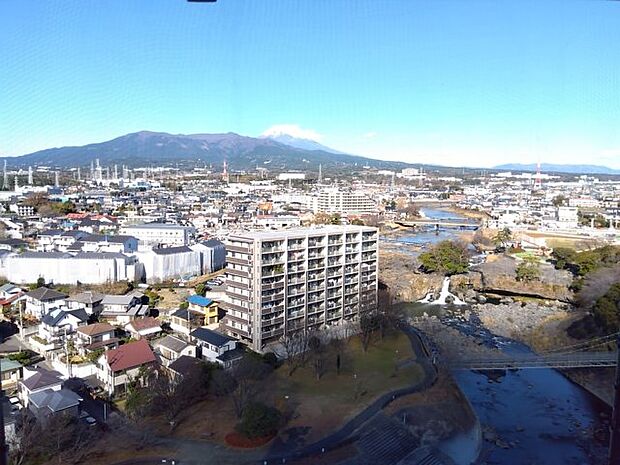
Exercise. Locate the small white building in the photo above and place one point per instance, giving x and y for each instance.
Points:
(159, 233)
(215, 347)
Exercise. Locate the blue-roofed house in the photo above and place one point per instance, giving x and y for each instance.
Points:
(205, 305)
(216, 347)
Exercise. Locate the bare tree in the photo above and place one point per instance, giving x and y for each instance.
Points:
(368, 326)
(247, 375)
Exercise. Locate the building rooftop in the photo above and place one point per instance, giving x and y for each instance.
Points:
(300, 232)
(45, 294)
(199, 300)
(210, 336)
(130, 355)
(95, 329)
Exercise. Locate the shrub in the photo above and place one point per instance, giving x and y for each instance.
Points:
(258, 420)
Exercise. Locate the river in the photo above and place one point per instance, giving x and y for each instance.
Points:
(530, 416)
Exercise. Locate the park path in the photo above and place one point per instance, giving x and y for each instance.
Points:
(195, 452)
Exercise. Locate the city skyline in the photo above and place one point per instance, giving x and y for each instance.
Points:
(448, 83)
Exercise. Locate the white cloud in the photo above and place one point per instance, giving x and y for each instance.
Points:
(370, 135)
(292, 130)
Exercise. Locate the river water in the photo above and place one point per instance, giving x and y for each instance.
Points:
(532, 417)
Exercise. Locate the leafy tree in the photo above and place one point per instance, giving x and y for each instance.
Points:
(563, 256)
(606, 311)
(528, 270)
(502, 237)
(201, 289)
(357, 222)
(559, 200)
(259, 420)
(446, 257)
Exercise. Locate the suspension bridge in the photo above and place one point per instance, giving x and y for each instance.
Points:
(579, 355)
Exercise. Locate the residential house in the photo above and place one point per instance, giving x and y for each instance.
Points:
(171, 348)
(121, 309)
(105, 243)
(59, 323)
(38, 380)
(143, 327)
(41, 300)
(216, 347)
(9, 294)
(183, 320)
(50, 402)
(183, 366)
(11, 373)
(88, 300)
(96, 336)
(205, 305)
(118, 367)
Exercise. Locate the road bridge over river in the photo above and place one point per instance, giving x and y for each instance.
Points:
(441, 223)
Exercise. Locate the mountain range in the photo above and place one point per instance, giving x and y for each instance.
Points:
(240, 152)
(558, 168)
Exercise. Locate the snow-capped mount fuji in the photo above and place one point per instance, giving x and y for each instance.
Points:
(281, 135)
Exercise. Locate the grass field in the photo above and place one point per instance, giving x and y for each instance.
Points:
(321, 405)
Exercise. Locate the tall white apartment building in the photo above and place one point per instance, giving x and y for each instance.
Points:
(341, 201)
(280, 282)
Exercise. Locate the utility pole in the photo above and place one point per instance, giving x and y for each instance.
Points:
(614, 426)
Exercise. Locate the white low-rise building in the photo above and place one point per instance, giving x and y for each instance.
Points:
(159, 233)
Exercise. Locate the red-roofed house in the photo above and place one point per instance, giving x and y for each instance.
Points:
(118, 367)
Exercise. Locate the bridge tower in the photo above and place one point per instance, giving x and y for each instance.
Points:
(614, 426)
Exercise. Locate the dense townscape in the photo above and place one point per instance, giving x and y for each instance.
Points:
(123, 285)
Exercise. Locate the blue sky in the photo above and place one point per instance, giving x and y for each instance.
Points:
(472, 83)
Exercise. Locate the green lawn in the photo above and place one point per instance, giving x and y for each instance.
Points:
(327, 402)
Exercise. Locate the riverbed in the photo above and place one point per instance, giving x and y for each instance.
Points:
(528, 416)
(534, 416)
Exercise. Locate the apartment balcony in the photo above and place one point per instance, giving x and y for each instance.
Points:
(368, 267)
(273, 261)
(296, 257)
(316, 255)
(351, 290)
(295, 268)
(334, 263)
(269, 309)
(294, 292)
(369, 247)
(276, 271)
(315, 308)
(237, 248)
(272, 321)
(272, 285)
(316, 277)
(352, 250)
(238, 260)
(351, 301)
(296, 245)
(296, 314)
(350, 280)
(334, 283)
(334, 316)
(351, 270)
(316, 243)
(316, 265)
(369, 257)
(272, 333)
(315, 299)
(315, 312)
(295, 325)
(369, 277)
(334, 242)
(334, 273)
(350, 310)
(352, 238)
(237, 272)
(369, 236)
(278, 249)
(292, 281)
(334, 251)
(272, 297)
